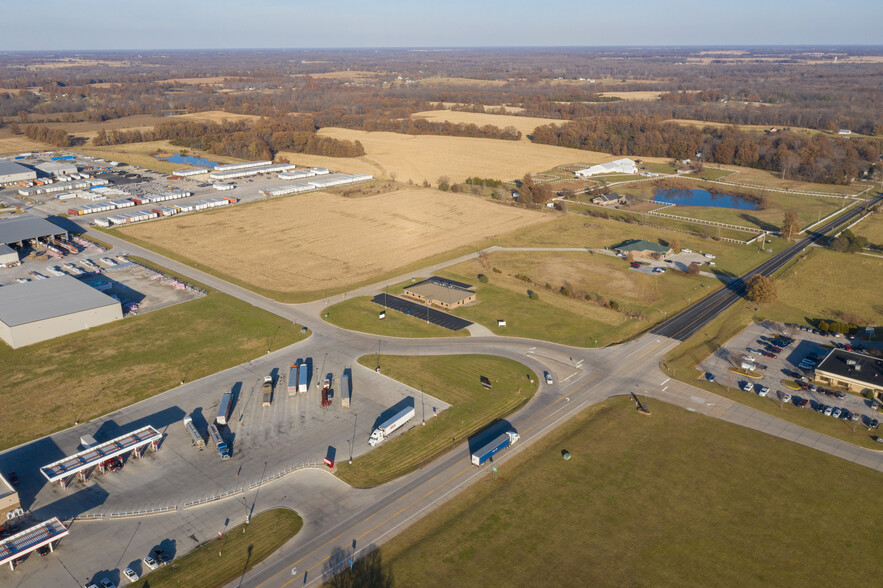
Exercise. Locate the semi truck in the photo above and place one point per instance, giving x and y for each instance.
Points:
(345, 391)
(223, 450)
(389, 425)
(302, 377)
(194, 434)
(267, 389)
(292, 380)
(488, 450)
(224, 408)
(326, 393)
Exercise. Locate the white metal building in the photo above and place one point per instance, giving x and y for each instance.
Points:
(195, 171)
(44, 309)
(243, 165)
(57, 168)
(252, 171)
(15, 172)
(620, 166)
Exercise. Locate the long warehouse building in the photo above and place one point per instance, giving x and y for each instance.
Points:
(243, 165)
(252, 171)
(20, 228)
(45, 309)
(15, 172)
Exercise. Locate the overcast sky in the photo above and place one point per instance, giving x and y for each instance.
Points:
(47, 25)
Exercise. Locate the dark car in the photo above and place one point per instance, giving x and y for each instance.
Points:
(840, 395)
(709, 377)
(160, 556)
(43, 550)
(801, 402)
(775, 349)
(770, 355)
(114, 464)
(636, 264)
(873, 424)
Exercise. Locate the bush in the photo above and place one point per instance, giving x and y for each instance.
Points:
(523, 278)
(482, 278)
(869, 394)
(533, 295)
(498, 270)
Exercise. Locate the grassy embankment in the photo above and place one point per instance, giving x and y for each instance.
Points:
(819, 284)
(142, 154)
(872, 228)
(83, 375)
(240, 551)
(453, 379)
(671, 499)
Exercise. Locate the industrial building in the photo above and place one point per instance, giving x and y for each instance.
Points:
(20, 228)
(44, 309)
(251, 171)
(57, 168)
(318, 183)
(61, 187)
(440, 292)
(641, 248)
(243, 165)
(194, 171)
(854, 371)
(620, 166)
(15, 172)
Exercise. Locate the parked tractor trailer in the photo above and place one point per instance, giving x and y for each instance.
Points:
(385, 428)
(223, 450)
(194, 433)
(488, 450)
(224, 408)
(267, 389)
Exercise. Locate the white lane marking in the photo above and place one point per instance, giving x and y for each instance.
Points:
(664, 389)
(664, 381)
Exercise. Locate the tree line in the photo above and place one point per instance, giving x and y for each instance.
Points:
(262, 139)
(57, 137)
(816, 158)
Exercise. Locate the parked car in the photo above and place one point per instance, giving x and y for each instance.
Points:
(106, 583)
(802, 403)
(748, 386)
(840, 395)
(785, 397)
(636, 264)
(43, 550)
(150, 563)
(160, 556)
(763, 391)
(873, 424)
(829, 410)
(548, 378)
(130, 574)
(770, 355)
(114, 464)
(709, 377)
(837, 412)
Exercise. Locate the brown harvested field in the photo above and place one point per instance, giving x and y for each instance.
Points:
(759, 177)
(487, 107)
(429, 157)
(461, 82)
(342, 75)
(633, 95)
(10, 143)
(215, 116)
(198, 81)
(321, 241)
(525, 124)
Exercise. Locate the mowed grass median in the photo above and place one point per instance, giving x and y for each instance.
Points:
(49, 386)
(453, 379)
(674, 499)
(240, 552)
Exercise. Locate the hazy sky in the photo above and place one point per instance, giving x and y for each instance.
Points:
(163, 24)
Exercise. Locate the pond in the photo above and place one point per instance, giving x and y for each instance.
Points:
(197, 161)
(684, 197)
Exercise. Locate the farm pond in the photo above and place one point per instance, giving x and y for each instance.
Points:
(687, 197)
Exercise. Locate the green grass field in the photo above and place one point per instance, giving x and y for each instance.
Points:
(872, 228)
(83, 375)
(360, 314)
(819, 284)
(673, 499)
(240, 552)
(453, 379)
(570, 321)
(580, 230)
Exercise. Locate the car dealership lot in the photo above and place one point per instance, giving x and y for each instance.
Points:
(749, 345)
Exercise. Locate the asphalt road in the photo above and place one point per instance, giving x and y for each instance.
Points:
(688, 322)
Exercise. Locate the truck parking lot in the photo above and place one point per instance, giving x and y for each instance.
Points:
(754, 346)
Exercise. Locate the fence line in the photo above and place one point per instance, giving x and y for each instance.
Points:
(252, 486)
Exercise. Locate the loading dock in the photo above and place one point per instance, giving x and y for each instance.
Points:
(80, 463)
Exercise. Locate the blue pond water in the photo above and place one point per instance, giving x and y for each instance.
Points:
(197, 161)
(702, 198)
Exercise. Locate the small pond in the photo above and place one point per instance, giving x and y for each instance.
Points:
(197, 161)
(703, 198)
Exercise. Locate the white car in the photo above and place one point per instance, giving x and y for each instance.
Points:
(748, 386)
(548, 378)
(130, 574)
(150, 563)
(56, 271)
(763, 391)
(786, 397)
(22, 280)
(686, 251)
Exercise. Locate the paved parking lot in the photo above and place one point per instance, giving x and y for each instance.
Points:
(783, 367)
